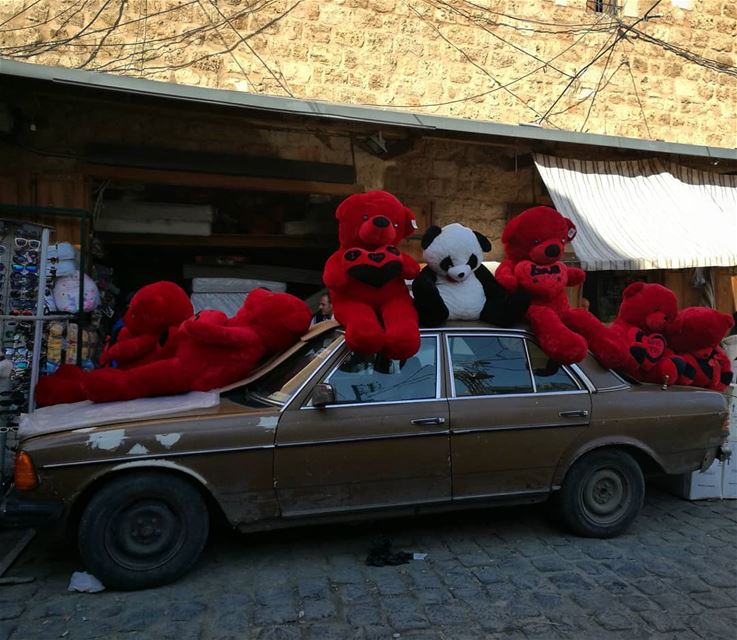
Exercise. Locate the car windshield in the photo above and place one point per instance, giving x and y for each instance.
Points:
(278, 386)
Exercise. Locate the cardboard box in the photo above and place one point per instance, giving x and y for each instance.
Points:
(718, 481)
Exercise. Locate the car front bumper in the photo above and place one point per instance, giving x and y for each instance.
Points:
(16, 510)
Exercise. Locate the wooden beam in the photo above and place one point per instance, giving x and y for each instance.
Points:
(223, 240)
(215, 181)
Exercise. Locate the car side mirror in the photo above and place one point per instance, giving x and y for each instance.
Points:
(323, 394)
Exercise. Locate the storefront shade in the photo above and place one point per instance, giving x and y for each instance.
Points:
(644, 214)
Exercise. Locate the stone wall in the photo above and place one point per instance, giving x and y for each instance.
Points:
(508, 61)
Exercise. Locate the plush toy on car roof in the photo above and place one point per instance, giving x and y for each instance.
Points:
(455, 285)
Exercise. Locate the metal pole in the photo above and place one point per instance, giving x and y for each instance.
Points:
(38, 322)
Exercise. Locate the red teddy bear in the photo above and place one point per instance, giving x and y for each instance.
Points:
(533, 244)
(645, 312)
(150, 332)
(366, 276)
(150, 326)
(212, 351)
(695, 335)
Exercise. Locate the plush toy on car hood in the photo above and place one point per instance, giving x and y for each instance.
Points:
(150, 333)
(213, 350)
(366, 276)
(534, 242)
(644, 314)
(695, 335)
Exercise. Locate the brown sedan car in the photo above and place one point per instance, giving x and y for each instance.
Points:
(478, 416)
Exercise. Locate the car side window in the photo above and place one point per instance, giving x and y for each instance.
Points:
(549, 376)
(489, 365)
(375, 378)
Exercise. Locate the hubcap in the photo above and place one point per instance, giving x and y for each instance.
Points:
(606, 495)
(144, 534)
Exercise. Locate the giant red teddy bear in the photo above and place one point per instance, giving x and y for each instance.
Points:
(644, 314)
(695, 335)
(150, 333)
(366, 276)
(213, 350)
(533, 243)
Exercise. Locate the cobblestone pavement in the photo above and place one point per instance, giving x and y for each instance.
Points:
(508, 574)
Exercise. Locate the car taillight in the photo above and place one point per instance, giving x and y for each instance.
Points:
(25, 473)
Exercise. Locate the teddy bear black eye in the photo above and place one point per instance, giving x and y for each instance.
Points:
(446, 263)
(365, 217)
(396, 226)
(473, 261)
(535, 242)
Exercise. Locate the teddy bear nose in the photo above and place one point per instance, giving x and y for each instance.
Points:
(381, 222)
(552, 251)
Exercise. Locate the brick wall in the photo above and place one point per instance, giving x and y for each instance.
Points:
(428, 56)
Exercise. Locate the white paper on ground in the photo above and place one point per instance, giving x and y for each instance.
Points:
(85, 583)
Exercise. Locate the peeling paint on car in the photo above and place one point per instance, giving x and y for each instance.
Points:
(107, 440)
(168, 440)
(138, 449)
(268, 422)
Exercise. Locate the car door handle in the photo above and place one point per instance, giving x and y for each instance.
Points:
(423, 421)
(580, 413)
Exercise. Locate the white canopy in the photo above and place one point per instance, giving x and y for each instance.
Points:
(644, 214)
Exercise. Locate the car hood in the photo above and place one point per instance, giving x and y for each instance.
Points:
(66, 417)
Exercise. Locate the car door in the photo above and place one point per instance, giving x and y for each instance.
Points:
(512, 412)
(383, 443)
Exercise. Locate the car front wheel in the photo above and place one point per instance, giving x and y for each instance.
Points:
(602, 494)
(143, 530)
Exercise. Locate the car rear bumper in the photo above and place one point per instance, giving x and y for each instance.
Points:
(19, 511)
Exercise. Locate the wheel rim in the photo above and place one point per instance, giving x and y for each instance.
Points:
(606, 496)
(144, 534)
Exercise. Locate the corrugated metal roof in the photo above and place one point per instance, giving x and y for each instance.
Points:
(327, 110)
(644, 214)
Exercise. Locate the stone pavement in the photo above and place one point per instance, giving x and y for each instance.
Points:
(502, 574)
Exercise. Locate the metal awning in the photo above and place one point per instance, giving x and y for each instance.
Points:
(644, 214)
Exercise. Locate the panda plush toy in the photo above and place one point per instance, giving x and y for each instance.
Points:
(456, 286)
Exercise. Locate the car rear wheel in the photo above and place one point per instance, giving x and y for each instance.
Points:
(143, 530)
(602, 494)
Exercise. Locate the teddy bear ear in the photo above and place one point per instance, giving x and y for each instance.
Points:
(632, 289)
(571, 230)
(483, 241)
(432, 232)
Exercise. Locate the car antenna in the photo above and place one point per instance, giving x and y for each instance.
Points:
(664, 387)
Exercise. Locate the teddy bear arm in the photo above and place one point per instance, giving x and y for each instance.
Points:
(505, 275)
(501, 307)
(576, 276)
(133, 348)
(335, 276)
(410, 268)
(429, 303)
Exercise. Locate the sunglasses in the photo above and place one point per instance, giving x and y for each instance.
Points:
(25, 268)
(21, 312)
(21, 243)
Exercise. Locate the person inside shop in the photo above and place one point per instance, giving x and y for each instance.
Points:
(324, 310)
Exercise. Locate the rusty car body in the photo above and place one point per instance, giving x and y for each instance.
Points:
(478, 417)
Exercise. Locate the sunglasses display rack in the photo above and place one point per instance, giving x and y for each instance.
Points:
(26, 281)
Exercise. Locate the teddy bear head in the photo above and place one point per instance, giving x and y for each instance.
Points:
(278, 318)
(373, 219)
(454, 251)
(156, 307)
(697, 329)
(650, 307)
(538, 234)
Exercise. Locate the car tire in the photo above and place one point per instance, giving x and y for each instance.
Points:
(602, 494)
(143, 530)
